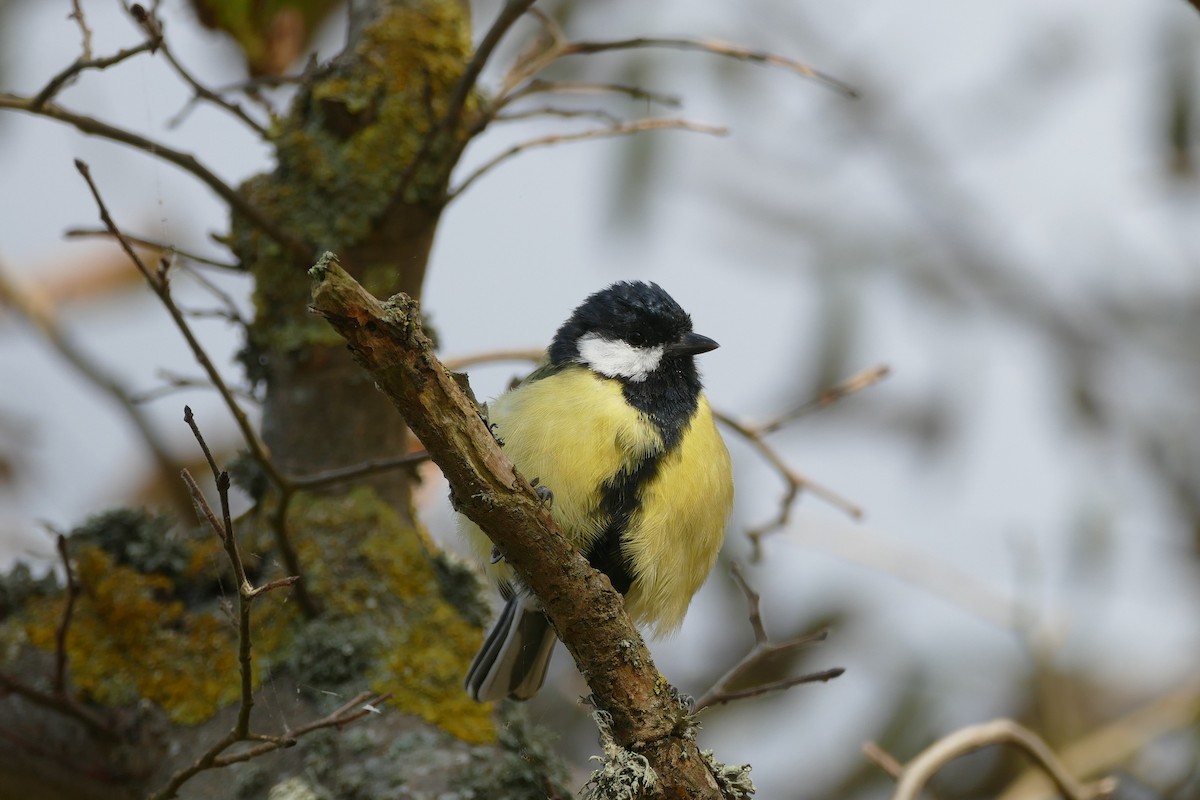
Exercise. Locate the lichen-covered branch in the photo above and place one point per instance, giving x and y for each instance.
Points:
(387, 339)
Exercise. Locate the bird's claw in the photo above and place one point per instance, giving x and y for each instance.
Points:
(545, 496)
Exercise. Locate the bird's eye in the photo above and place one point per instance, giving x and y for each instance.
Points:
(637, 338)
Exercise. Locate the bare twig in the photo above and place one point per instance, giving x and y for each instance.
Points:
(64, 626)
(160, 285)
(82, 64)
(147, 19)
(883, 759)
(161, 247)
(1108, 747)
(621, 129)
(795, 482)
(185, 161)
(179, 383)
(519, 354)
(84, 31)
(562, 113)
(921, 769)
(363, 704)
(206, 94)
(855, 383)
(716, 47)
(509, 14)
(215, 756)
(372, 467)
(60, 699)
(763, 649)
(538, 86)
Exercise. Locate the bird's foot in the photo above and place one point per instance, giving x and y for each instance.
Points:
(543, 492)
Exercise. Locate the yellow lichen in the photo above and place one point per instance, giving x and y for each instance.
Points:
(376, 572)
(130, 639)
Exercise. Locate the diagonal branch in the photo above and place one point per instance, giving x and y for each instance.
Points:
(82, 64)
(85, 32)
(142, 241)
(713, 47)
(160, 285)
(216, 756)
(587, 613)
(512, 11)
(296, 246)
(619, 129)
(763, 649)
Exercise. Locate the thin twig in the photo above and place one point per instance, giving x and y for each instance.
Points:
(214, 757)
(512, 11)
(538, 86)
(883, 759)
(622, 129)
(763, 649)
(84, 31)
(921, 769)
(161, 288)
(64, 626)
(519, 354)
(372, 467)
(180, 383)
(795, 481)
(185, 161)
(160, 285)
(202, 92)
(562, 113)
(855, 383)
(161, 247)
(82, 64)
(714, 47)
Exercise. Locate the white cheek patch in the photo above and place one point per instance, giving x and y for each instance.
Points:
(618, 359)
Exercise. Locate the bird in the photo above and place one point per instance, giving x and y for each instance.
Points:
(617, 434)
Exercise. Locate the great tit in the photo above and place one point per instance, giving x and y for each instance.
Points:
(616, 427)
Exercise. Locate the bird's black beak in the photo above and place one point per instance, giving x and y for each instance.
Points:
(690, 344)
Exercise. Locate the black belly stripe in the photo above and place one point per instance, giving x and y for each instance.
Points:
(669, 399)
(618, 504)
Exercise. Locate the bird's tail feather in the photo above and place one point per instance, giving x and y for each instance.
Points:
(513, 659)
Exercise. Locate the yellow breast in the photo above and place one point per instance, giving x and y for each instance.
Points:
(574, 431)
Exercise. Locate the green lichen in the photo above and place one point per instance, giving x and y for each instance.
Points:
(131, 639)
(344, 151)
(384, 599)
(20, 585)
(167, 636)
(136, 538)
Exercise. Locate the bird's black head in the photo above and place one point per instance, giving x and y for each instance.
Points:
(629, 331)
